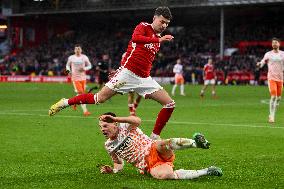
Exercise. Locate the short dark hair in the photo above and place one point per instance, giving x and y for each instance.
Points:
(109, 113)
(78, 45)
(276, 39)
(164, 11)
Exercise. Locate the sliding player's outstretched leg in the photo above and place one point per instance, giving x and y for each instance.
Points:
(104, 94)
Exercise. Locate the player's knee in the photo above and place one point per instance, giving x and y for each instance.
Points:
(171, 104)
(273, 97)
(164, 175)
(101, 99)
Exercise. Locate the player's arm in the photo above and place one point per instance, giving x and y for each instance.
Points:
(175, 70)
(117, 165)
(214, 73)
(263, 61)
(88, 64)
(68, 66)
(204, 72)
(131, 120)
(138, 36)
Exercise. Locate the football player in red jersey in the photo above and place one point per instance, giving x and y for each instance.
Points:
(209, 77)
(134, 74)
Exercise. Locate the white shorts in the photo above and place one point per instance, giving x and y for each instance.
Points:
(125, 81)
(211, 82)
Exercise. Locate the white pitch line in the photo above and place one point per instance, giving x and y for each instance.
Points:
(265, 101)
(220, 124)
(147, 107)
(171, 122)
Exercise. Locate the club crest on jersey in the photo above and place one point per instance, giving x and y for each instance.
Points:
(152, 47)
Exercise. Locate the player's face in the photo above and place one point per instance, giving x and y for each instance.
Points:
(109, 130)
(210, 61)
(275, 44)
(160, 23)
(78, 50)
(105, 57)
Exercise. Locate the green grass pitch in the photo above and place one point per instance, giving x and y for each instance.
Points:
(65, 151)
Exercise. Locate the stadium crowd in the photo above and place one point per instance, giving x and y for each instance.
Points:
(194, 45)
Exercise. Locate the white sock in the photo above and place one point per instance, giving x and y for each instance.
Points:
(130, 105)
(84, 107)
(189, 174)
(182, 89)
(275, 106)
(174, 89)
(155, 137)
(272, 105)
(278, 100)
(180, 143)
(213, 93)
(65, 102)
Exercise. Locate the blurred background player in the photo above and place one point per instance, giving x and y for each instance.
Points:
(209, 77)
(179, 80)
(275, 62)
(103, 68)
(133, 102)
(135, 72)
(77, 65)
(125, 141)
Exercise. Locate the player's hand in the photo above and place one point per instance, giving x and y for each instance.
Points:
(106, 169)
(258, 64)
(67, 72)
(166, 38)
(107, 118)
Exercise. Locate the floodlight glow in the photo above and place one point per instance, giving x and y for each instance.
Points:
(3, 27)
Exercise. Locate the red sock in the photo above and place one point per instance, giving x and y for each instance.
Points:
(88, 98)
(162, 119)
(135, 105)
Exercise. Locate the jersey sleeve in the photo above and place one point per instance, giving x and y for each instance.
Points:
(88, 64)
(68, 64)
(204, 69)
(265, 59)
(116, 159)
(138, 35)
(174, 69)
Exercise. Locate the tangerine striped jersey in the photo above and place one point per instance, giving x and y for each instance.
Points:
(131, 145)
(275, 63)
(75, 63)
(178, 69)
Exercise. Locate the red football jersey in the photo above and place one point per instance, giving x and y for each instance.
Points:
(141, 50)
(209, 72)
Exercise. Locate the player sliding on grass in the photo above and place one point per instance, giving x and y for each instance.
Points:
(275, 61)
(135, 72)
(125, 141)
